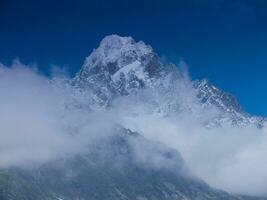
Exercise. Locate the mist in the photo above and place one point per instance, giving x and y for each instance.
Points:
(43, 118)
(40, 120)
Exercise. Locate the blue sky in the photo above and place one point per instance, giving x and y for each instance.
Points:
(222, 40)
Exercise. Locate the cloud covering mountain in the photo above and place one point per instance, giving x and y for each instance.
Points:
(124, 84)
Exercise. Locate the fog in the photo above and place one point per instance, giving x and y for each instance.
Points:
(38, 121)
(43, 118)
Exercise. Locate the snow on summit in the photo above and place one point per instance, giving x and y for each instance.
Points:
(121, 50)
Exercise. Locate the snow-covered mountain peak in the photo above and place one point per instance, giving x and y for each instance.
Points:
(119, 66)
(116, 41)
(119, 51)
(112, 43)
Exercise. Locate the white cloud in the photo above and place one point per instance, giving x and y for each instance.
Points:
(38, 123)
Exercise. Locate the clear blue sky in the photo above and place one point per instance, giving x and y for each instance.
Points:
(223, 40)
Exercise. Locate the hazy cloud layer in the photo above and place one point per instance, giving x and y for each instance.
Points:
(40, 120)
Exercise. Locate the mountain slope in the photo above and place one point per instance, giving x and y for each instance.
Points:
(232, 112)
(112, 174)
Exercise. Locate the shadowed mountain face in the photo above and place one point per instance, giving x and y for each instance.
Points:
(115, 167)
(109, 171)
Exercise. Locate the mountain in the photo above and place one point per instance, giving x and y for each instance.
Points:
(126, 165)
(122, 67)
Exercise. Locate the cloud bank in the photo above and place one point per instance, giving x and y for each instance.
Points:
(41, 119)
